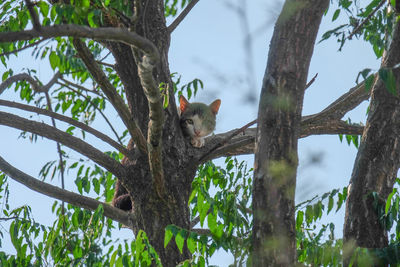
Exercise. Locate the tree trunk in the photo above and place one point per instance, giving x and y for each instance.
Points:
(279, 116)
(377, 161)
(152, 211)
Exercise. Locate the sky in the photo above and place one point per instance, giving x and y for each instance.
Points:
(209, 45)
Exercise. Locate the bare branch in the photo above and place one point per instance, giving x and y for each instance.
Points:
(34, 15)
(311, 81)
(111, 93)
(34, 83)
(80, 87)
(64, 195)
(68, 120)
(54, 134)
(226, 140)
(201, 231)
(107, 33)
(342, 105)
(244, 144)
(182, 15)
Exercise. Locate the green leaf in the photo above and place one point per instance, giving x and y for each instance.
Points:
(330, 204)
(212, 222)
(336, 14)
(389, 200)
(179, 240)
(191, 244)
(167, 237)
(54, 60)
(369, 82)
(44, 8)
(388, 79)
(90, 19)
(77, 252)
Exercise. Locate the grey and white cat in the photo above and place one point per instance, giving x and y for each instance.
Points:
(197, 119)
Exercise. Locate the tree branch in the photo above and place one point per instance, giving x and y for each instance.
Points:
(77, 144)
(34, 15)
(34, 83)
(68, 120)
(342, 105)
(357, 29)
(244, 143)
(64, 195)
(111, 93)
(107, 33)
(182, 15)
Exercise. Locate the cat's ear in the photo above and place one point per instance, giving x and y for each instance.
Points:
(215, 106)
(183, 103)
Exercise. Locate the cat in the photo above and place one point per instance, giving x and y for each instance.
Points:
(197, 119)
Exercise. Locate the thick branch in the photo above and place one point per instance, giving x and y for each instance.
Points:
(341, 106)
(244, 143)
(77, 144)
(64, 195)
(111, 93)
(182, 15)
(108, 33)
(68, 120)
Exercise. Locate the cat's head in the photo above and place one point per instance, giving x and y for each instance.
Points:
(197, 119)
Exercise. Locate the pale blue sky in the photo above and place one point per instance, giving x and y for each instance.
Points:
(208, 45)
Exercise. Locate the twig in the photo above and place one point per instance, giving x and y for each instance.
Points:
(10, 218)
(226, 140)
(366, 19)
(60, 155)
(105, 64)
(34, 15)
(23, 48)
(181, 16)
(80, 87)
(64, 195)
(311, 81)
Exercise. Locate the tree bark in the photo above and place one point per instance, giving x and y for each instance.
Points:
(378, 160)
(279, 117)
(153, 211)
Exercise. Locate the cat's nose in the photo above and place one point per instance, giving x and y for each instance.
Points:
(197, 132)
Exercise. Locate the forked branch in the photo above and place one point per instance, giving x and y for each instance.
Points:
(111, 93)
(64, 195)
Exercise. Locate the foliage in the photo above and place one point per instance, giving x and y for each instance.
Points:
(228, 214)
(77, 237)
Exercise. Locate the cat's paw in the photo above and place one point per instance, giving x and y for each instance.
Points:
(197, 142)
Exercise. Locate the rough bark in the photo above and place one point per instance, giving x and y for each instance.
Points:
(279, 117)
(377, 161)
(153, 211)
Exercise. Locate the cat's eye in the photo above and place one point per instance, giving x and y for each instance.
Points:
(189, 121)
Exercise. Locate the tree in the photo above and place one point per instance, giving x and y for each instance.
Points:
(158, 166)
